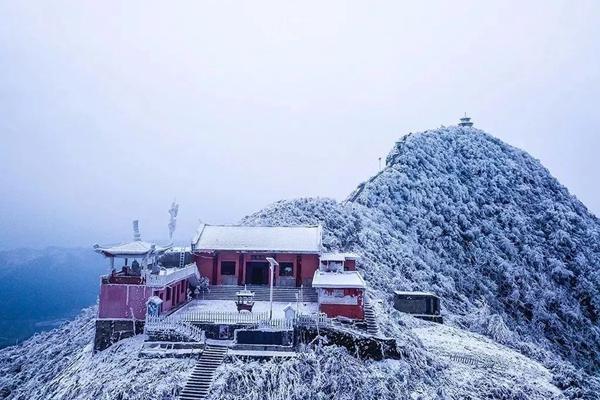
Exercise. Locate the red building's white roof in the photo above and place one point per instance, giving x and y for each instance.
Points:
(338, 280)
(136, 248)
(282, 239)
(339, 256)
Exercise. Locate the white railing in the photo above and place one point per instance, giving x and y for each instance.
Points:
(154, 280)
(261, 319)
(166, 325)
(225, 317)
(313, 320)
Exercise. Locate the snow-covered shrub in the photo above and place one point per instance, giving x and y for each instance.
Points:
(328, 373)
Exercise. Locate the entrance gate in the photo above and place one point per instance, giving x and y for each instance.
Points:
(257, 273)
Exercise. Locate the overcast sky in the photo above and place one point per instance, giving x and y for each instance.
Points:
(110, 110)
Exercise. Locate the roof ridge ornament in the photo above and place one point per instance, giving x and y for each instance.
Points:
(173, 211)
(136, 231)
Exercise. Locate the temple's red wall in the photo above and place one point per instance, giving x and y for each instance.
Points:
(350, 265)
(123, 301)
(129, 301)
(333, 306)
(310, 263)
(206, 267)
(335, 310)
(173, 295)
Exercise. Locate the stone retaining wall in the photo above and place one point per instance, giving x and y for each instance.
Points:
(109, 331)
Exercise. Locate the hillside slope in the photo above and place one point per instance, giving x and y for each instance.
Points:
(449, 364)
(483, 224)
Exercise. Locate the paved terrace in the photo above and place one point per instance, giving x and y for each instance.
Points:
(228, 307)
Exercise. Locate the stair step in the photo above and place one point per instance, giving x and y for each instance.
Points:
(200, 380)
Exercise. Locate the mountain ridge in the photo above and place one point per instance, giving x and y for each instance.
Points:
(461, 198)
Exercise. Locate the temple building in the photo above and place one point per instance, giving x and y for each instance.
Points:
(236, 255)
(277, 268)
(136, 276)
(341, 289)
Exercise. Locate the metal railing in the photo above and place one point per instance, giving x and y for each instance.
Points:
(260, 319)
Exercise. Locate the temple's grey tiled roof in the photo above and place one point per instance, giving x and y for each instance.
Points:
(289, 239)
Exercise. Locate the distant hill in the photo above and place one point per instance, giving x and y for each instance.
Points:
(43, 288)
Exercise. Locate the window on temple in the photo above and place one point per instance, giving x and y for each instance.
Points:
(183, 287)
(227, 267)
(168, 293)
(286, 269)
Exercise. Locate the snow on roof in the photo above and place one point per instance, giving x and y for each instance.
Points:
(179, 249)
(403, 293)
(288, 239)
(346, 279)
(136, 248)
(339, 256)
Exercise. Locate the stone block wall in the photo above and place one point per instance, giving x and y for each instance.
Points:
(109, 331)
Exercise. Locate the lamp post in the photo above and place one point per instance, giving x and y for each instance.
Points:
(272, 265)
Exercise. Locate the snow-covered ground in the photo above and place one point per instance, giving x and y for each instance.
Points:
(472, 359)
(61, 365)
(259, 307)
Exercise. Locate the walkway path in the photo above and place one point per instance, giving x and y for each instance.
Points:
(198, 385)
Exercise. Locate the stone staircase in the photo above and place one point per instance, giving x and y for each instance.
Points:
(261, 293)
(372, 327)
(198, 385)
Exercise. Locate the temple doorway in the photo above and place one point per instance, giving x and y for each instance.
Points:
(257, 273)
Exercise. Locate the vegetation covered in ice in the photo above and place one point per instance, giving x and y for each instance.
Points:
(485, 226)
(60, 364)
(454, 211)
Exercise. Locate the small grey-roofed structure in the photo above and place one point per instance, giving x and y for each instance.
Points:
(423, 305)
(283, 239)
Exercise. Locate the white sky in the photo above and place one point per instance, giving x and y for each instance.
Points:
(110, 110)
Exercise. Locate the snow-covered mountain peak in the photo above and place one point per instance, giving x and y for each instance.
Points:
(455, 211)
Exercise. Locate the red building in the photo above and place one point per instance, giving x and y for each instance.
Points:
(125, 291)
(226, 255)
(236, 255)
(340, 287)
(135, 277)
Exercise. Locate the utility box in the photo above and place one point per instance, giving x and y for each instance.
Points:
(154, 306)
(423, 305)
